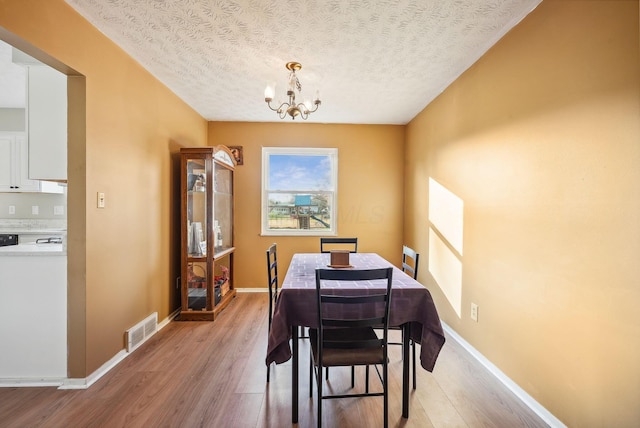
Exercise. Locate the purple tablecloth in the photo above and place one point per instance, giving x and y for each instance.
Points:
(296, 305)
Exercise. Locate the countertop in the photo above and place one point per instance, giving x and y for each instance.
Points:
(27, 245)
(23, 231)
(33, 226)
(33, 249)
(30, 230)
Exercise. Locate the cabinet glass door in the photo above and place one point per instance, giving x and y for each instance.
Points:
(223, 207)
(196, 224)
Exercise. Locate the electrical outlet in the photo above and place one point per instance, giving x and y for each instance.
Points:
(58, 210)
(474, 312)
(35, 209)
(12, 209)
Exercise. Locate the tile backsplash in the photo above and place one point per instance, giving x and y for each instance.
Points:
(32, 224)
(33, 206)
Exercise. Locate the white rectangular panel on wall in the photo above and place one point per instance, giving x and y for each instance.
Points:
(47, 123)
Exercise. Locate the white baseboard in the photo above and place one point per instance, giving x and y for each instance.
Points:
(84, 383)
(252, 290)
(32, 383)
(162, 324)
(526, 399)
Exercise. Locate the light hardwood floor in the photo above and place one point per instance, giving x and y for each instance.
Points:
(212, 374)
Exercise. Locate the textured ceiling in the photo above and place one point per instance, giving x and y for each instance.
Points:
(374, 62)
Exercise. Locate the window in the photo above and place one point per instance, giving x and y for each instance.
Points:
(299, 191)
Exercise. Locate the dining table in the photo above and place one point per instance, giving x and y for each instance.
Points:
(411, 308)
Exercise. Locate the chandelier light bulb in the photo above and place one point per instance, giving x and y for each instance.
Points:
(269, 92)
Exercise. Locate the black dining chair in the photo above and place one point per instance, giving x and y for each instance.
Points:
(410, 266)
(328, 244)
(272, 276)
(410, 261)
(350, 340)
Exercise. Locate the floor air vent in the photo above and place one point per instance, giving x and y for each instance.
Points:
(140, 332)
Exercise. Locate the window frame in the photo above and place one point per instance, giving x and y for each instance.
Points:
(332, 153)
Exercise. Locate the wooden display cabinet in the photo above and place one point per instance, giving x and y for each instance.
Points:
(207, 241)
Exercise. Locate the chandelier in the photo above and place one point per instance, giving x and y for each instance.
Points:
(291, 108)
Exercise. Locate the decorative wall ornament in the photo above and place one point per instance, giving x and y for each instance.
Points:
(236, 151)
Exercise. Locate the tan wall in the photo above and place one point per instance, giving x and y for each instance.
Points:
(539, 138)
(133, 127)
(370, 195)
(541, 141)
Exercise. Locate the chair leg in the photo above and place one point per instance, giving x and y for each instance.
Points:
(310, 375)
(319, 383)
(268, 332)
(385, 374)
(353, 377)
(327, 373)
(413, 350)
(366, 380)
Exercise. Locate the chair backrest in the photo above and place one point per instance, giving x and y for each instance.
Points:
(338, 310)
(410, 261)
(272, 275)
(327, 244)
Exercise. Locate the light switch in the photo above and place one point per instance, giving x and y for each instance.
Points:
(100, 199)
(35, 210)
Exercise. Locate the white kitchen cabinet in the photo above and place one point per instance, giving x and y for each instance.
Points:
(47, 123)
(14, 164)
(33, 316)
